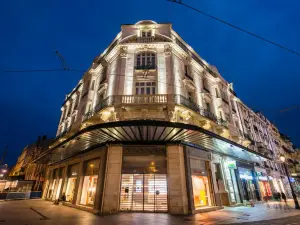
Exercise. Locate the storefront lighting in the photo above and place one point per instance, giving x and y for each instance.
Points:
(247, 177)
(1, 175)
(4, 171)
(282, 158)
(263, 178)
(92, 165)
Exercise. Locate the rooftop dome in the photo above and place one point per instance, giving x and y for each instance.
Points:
(146, 22)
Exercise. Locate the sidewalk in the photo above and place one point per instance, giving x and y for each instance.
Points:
(40, 212)
(242, 214)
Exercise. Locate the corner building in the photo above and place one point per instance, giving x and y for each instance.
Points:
(152, 127)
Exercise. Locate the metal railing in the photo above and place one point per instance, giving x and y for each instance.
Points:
(145, 67)
(151, 99)
(145, 39)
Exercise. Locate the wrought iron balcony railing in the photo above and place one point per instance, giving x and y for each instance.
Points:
(88, 115)
(145, 67)
(145, 39)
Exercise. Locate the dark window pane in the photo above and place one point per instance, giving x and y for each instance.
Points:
(142, 84)
(148, 84)
(142, 91)
(137, 91)
(153, 90)
(148, 91)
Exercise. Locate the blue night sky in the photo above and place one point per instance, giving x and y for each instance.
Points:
(265, 77)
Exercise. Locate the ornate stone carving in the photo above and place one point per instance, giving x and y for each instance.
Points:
(167, 50)
(123, 51)
(172, 116)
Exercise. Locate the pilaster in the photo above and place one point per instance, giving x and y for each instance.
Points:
(112, 183)
(178, 201)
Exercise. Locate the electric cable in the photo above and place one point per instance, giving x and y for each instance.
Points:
(234, 26)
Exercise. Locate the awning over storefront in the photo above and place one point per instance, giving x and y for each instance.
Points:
(148, 132)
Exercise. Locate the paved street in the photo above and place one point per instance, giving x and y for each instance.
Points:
(38, 212)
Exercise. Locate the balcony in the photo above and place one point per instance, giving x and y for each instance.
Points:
(153, 99)
(145, 39)
(88, 115)
(104, 103)
(144, 99)
(145, 67)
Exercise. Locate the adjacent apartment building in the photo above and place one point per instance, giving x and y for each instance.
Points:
(151, 126)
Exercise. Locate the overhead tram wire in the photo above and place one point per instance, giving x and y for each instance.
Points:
(82, 71)
(235, 27)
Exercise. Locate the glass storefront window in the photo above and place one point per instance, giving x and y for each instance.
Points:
(144, 192)
(89, 190)
(71, 189)
(51, 189)
(58, 189)
(201, 191)
(90, 183)
(201, 183)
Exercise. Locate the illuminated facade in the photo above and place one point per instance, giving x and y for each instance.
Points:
(151, 126)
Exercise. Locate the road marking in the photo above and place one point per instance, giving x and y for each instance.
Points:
(43, 216)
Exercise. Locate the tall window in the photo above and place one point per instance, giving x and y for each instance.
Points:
(190, 96)
(145, 60)
(145, 88)
(146, 33)
(93, 85)
(208, 106)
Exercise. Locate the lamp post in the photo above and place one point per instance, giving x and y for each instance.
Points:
(282, 158)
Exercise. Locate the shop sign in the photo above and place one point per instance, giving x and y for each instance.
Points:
(263, 178)
(292, 179)
(246, 176)
(198, 172)
(231, 164)
(259, 173)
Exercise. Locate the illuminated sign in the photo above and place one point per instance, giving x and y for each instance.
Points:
(259, 173)
(231, 164)
(292, 179)
(245, 176)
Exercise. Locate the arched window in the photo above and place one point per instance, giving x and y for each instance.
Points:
(146, 60)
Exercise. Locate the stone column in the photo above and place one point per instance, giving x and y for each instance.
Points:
(79, 183)
(177, 202)
(112, 182)
(100, 183)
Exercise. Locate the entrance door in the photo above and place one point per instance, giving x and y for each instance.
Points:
(144, 192)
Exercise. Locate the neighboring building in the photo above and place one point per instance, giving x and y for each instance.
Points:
(25, 169)
(151, 126)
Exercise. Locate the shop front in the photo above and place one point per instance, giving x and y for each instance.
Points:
(200, 178)
(275, 181)
(71, 183)
(89, 185)
(248, 183)
(263, 182)
(144, 180)
(230, 173)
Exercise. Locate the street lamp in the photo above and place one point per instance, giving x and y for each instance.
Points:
(282, 158)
